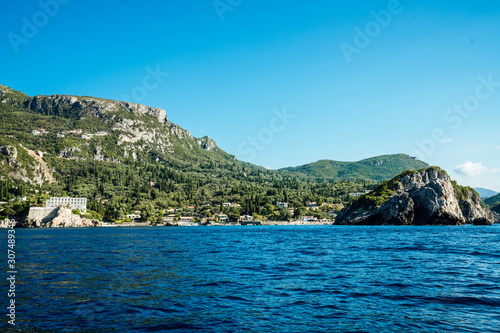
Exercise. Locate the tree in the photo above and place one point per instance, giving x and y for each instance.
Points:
(284, 215)
(233, 214)
(148, 211)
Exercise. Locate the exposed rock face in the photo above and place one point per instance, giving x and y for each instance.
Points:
(207, 143)
(426, 197)
(63, 218)
(70, 153)
(11, 153)
(496, 217)
(129, 121)
(89, 107)
(179, 132)
(6, 223)
(30, 169)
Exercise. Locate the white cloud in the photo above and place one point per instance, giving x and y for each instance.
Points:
(498, 147)
(474, 169)
(447, 140)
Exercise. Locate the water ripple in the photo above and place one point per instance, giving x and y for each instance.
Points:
(258, 279)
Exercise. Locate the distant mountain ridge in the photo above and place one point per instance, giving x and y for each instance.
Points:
(485, 193)
(378, 169)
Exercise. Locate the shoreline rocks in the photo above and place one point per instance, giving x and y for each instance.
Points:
(425, 197)
(63, 218)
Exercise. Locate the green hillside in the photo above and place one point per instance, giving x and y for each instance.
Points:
(125, 157)
(492, 201)
(376, 169)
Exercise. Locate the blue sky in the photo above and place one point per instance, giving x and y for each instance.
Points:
(281, 83)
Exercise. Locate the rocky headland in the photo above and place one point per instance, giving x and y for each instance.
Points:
(425, 197)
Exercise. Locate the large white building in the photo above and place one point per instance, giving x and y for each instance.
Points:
(74, 203)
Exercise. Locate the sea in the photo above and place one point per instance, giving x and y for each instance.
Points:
(255, 279)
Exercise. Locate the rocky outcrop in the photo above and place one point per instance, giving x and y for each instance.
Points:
(425, 197)
(71, 153)
(11, 153)
(6, 223)
(63, 219)
(89, 107)
(180, 132)
(23, 164)
(206, 143)
(495, 217)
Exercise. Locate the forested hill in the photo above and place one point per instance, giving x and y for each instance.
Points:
(378, 169)
(125, 157)
(493, 200)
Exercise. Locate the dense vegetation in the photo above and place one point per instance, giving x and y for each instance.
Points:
(377, 169)
(175, 173)
(493, 200)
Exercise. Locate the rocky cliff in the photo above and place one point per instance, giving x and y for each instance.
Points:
(134, 127)
(20, 163)
(63, 218)
(60, 105)
(425, 197)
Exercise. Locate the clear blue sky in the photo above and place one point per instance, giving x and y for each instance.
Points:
(230, 66)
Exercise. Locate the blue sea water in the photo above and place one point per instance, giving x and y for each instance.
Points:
(257, 279)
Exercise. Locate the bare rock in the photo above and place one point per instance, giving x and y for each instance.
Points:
(11, 153)
(63, 218)
(426, 197)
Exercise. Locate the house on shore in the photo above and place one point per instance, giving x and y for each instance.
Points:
(309, 219)
(223, 218)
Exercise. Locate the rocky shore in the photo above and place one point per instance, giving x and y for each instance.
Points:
(425, 197)
(63, 218)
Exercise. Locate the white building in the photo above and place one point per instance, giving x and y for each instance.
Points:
(73, 203)
(40, 131)
(282, 204)
(167, 219)
(223, 218)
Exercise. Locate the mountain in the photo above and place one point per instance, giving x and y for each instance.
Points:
(425, 197)
(125, 157)
(376, 169)
(493, 200)
(485, 193)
